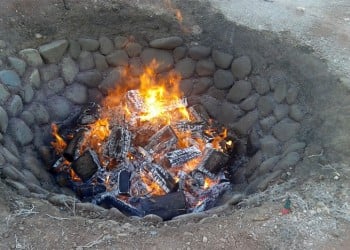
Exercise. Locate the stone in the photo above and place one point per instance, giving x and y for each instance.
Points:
(292, 95)
(296, 113)
(10, 158)
(269, 178)
(53, 52)
(249, 103)
(280, 92)
(27, 94)
(221, 59)
(86, 60)
(69, 69)
(253, 164)
(241, 67)
(152, 218)
(228, 113)
(40, 113)
(12, 172)
(36, 167)
(63, 200)
(211, 105)
(277, 78)
(179, 53)
(106, 45)
(205, 67)
(118, 58)
(223, 79)
(91, 78)
(94, 95)
(55, 86)
(163, 58)
(239, 91)
(260, 84)
(19, 187)
(20, 132)
(186, 86)
(11, 146)
(10, 78)
(3, 120)
(120, 42)
(166, 43)
(114, 214)
(112, 80)
(4, 94)
(199, 52)
(270, 146)
(185, 67)
(267, 123)
(133, 49)
(59, 107)
(18, 64)
(285, 129)
(265, 106)
(88, 44)
(74, 49)
(76, 93)
(281, 111)
(245, 123)
(100, 62)
(27, 117)
(295, 147)
(219, 94)
(290, 160)
(49, 72)
(34, 79)
(32, 57)
(29, 178)
(135, 66)
(14, 106)
(202, 85)
(267, 165)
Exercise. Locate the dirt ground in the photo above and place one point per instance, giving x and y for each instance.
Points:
(318, 188)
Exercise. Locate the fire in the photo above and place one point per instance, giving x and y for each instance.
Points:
(152, 187)
(98, 132)
(59, 144)
(208, 183)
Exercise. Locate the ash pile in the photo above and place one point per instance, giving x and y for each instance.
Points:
(122, 157)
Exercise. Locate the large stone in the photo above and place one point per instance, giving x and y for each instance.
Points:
(277, 78)
(281, 111)
(219, 94)
(20, 132)
(12, 172)
(53, 52)
(244, 124)
(59, 107)
(86, 60)
(136, 66)
(32, 57)
(229, 113)
(253, 164)
(199, 52)
(241, 67)
(270, 146)
(285, 129)
(240, 90)
(133, 49)
(112, 80)
(28, 117)
(3, 120)
(223, 79)
(164, 59)
(76, 93)
(205, 67)
(211, 105)
(14, 106)
(261, 85)
(221, 59)
(292, 95)
(249, 103)
(74, 49)
(34, 78)
(166, 43)
(295, 147)
(296, 113)
(120, 42)
(185, 67)
(290, 160)
(49, 72)
(118, 58)
(4, 94)
(202, 85)
(179, 53)
(280, 92)
(186, 86)
(91, 78)
(265, 105)
(10, 78)
(100, 62)
(28, 93)
(54, 87)
(267, 123)
(268, 165)
(106, 45)
(18, 64)
(41, 115)
(69, 69)
(89, 44)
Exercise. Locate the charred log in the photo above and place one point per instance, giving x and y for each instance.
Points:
(90, 114)
(161, 176)
(109, 201)
(198, 113)
(86, 165)
(87, 190)
(118, 143)
(213, 161)
(73, 146)
(162, 141)
(181, 156)
(124, 182)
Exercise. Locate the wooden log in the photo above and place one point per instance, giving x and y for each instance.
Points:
(86, 165)
(89, 114)
(213, 161)
(198, 113)
(109, 201)
(118, 143)
(88, 190)
(181, 156)
(134, 101)
(124, 182)
(70, 153)
(161, 176)
(162, 141)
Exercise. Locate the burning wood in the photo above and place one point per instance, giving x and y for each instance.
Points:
(162, 177)
(162, 141)
(118, 143)
(181, 156)
(90, 114)
(213, 161)
(86, 165)
(71, 151)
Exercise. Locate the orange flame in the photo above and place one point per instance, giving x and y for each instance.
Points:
(98, 132)
(152, 187)
(208, 183)
(59, 144)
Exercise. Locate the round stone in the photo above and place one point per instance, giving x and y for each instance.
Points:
(76, 93)
(59, 107)
(69, 69)
(120, 42)
(285, 129)
(167, 42)
(34, 78)
(18, 64)
(223, 79)
(277, 77)
(202, 85)
(281, 111)
(53, 52)
(4, 94)
(267, 123)
(221, 59)
(245, 123)
(91, 78)
(270, 146)
(239, 91)
(32, 57)
(54, 86)
(296, 113)
(268, 165)
(89, 44)
(100, 62)
(249, 103)
(135, 66)
(211, 105)
(3, 120)
(229, 113)
(49, 72)
(186, 86)
(112, 80)
(20, 132)
(74, 49)
(260, 84)
(106, 45)
(265, 105)
(40, 113)
(292, 95)
(133, 49)
(280, 92)
(199, 52)
(205, 68)
(27, 117)
(163, 58)
(179, 53)
(253, 164)
(15, 106)
(185, 67)
(28, 93)
(10, 78)
(241, 67)
(118, 58)
(86, 60)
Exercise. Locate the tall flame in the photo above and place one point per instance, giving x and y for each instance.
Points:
(58, 144)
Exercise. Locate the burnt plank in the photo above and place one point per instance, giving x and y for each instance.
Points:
(161, 176)
(162, 141)
(181, 156)
(213, 161)
(124, 182)
(86, 165)
(118, 143)
(72, 147)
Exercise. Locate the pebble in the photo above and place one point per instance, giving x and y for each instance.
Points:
(179, 53)
(49, 72)
(241, 67)
(223, 79)
(297, 147)
(260, 84)
(199, 52)
(74, 49)
(205, 239)
(268, 165)
(265, 105)
(239, 91)
(86, 61)
(38, 36)
(20, 132)
(14, 106)
(202, 85)
(69, 69)
(18, 64)
(106, 45)
(277, 78)
(296, 113)
(88, 44)
(152, 218)
(285, 129)
(120, 42)
(10, 158)
(270, 146)
(32, 57)
(114, 214)
(20, 188)
(221, 59)
(185, 67)
(133, 49)
(166, 43)
(27, 117)
(253, 164)
(10, 78)
(100, 62)
(281, 111)
(53, 52)
(34, 79)
(163, 58)
(91, 78)
(3, 120)
(246, 122)
(249, 103)
(205, 68)
(118, 58)
(211, 105)
(76, 93)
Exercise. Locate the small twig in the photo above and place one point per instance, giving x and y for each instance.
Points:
(57, 218)
(317, 155)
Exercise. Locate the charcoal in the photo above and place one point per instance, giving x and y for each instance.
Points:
(181, 156)
(89, 114)
(161, 176)
(118, 143)
(198, 113)
(162, 141)
(86, 165)
(212, 162)
(109, 201)
(134, 101)
(124, 182)
(86, 190)
(73, 146)
(166, 206)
